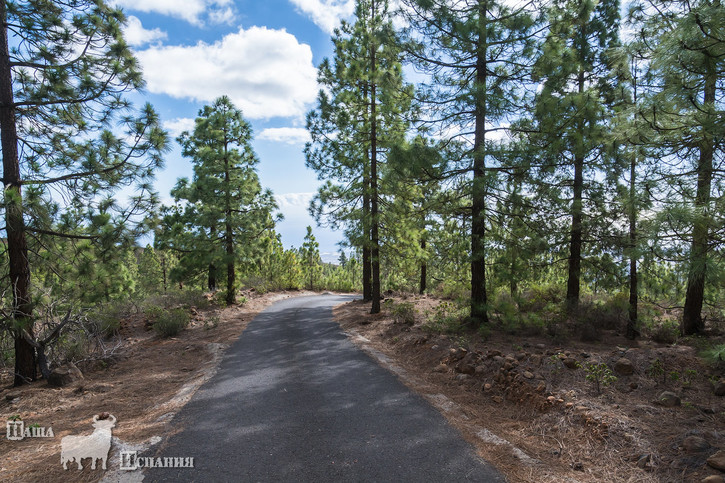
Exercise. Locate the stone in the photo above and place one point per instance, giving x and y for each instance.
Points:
(571, 363)
(717, 460)
(528, 375)
(695, 444)
(467, 365)
(521, 356)
(718, 388)
(713, 479)
(440, 368)
(480, 369)
(624, 367)
(64, 375)
(498, 359)
(462, 377)
(668, 399)
(497, 399)
(541, 387)
(487, 387)
(13, 396)
(643, 461)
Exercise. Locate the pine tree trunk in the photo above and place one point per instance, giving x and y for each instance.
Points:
(17, 246)
(367, 275)
(479, 314)
(374, 215)
(423, 270)
(211, 279)
(231, 297)
(575, 242)
(692, 316)
(632, 331)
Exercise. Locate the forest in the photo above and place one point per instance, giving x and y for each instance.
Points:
(536, 164)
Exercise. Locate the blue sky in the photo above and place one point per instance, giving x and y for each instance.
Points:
(263, 55)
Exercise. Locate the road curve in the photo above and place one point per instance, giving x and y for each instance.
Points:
(295, 400)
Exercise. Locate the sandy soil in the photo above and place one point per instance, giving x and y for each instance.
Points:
(143, 385)
(536, 419)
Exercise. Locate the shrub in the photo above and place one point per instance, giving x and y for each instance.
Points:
(599, 374)
(403, 313)
(663, 331)
(446, 317)
(171, 322)
(715, 355)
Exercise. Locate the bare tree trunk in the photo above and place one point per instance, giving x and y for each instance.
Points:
(692, 321)
(374, 215)
(575, 242)
(423, 270)
(19, 266)
(479, 299)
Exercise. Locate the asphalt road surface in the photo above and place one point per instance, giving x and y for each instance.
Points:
(294, 400)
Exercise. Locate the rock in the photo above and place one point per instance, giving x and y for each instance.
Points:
(498, 359)
(497, 399)
(13, 396)
(569, 405)
(467, 365)
(713, 479)
(64, 375)
(480, 369)
(521, 356)
(718, 388)
(668, 399)
(624, 367)
(487, 387)
(536, 360)
(695, 444)
(541, 387)
(571, 363)
(528, 375)
(717, 460)
(462, 377)
(440, 368)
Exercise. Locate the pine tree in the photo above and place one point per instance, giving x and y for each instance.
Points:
(686, 50)
(221, 214)
(310, 255)
(353, 128)
(69, 137)
(477, 53)
(575, 71)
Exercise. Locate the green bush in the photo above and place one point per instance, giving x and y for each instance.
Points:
(171, 322)
(663, 331)
(447, 317)
(403, 313)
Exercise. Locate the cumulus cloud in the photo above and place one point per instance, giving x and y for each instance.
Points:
(176, 126)
(267, 73)
(195, 12)
(289, 201)
(287, 135)
(136, 35)
(326, 14)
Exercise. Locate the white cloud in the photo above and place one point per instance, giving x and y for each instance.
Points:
(193, 11)
(326, 14)
(267, 73)
(178, 125)
(136, 35)
(288, 135)
(290, 201)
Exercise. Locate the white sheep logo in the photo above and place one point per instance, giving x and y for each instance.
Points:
(94, 446)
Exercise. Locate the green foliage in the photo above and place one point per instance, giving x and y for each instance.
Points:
(715, 355)
(403, 312)
(171, 322)
(600, 375)
(447, 317)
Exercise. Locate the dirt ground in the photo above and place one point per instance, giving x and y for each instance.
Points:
(527, 406)
(143, 385)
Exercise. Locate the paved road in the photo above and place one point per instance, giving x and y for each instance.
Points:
(294, 400)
